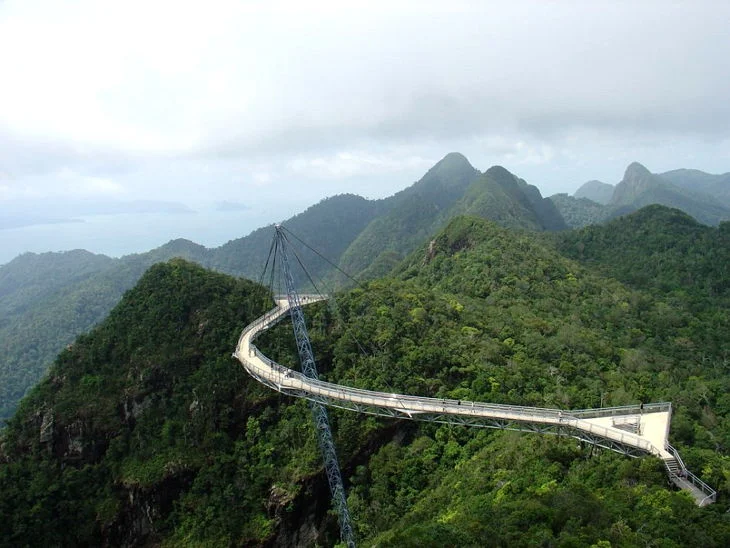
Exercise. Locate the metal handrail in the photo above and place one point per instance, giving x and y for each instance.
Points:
(694, 480)
(421, 404)
(706, 489)
(460, 407)
(636, 409)
(675, 454)
(416, 404)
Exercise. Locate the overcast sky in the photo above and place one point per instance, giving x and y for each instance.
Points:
(271, 106)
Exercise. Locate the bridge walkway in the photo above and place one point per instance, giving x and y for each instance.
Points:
(634, 430)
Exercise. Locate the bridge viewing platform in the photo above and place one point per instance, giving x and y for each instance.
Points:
(634, 430)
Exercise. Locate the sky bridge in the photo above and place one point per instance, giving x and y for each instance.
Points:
(634, 430)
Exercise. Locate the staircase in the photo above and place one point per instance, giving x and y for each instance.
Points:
(672, 465)
(686, 480)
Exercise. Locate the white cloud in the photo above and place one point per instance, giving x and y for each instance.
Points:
(98, 186)
(77, 185)
(66, 184)
(165, 77)
(348, 164)
(19, 191)
(144, 99)
(262, 178)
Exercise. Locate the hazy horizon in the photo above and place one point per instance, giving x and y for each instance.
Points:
(147, 225)
(278, 106)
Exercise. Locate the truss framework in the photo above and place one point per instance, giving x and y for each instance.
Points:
(565, 430)
(319, 411)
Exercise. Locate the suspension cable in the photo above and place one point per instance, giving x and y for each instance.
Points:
(331, 302)
(268, 258)
(305, 244)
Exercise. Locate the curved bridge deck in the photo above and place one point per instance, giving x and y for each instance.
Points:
(633, 430)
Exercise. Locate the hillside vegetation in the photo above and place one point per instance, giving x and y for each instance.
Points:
(146, 432)
(412, 214)
(451, 188)
(703, 196)
(717, 186)
(580, 212)
(49, 299)
(46, 300)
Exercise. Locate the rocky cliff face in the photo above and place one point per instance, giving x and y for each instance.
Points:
(640, 188)
(637, 180)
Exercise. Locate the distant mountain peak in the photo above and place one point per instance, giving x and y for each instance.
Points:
(501, 196)
(637, 180)
(453, 162)
(499, 173)
(640, 187)
(595, 190)
(182, 244)
(635, 171)
(717, 187)
(455, 157)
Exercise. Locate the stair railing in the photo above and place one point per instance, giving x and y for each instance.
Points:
(711, 494)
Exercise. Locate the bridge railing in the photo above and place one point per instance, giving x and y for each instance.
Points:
(272, 314)
(684, 474)
(276, 313)
(285, 379)
(413, 404)
(676, 456)
(619, 436)
(635, 409)
(421, 404)
(304, 297)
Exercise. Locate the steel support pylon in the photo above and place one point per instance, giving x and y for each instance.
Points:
(319, 412)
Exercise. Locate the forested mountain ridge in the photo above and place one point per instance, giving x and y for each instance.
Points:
(717, 186)
(147, 432)
(128, 412)
(703, 196)
(31, 277)
(46, 300)
(429, 204)
(580, 212)
(331, 225)
(674, 251)
(640, 188)
(500, 196)
(517, 323)
(412, 214)
(38, 319)
(371, 235)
